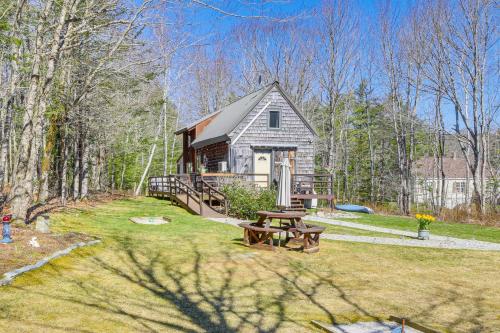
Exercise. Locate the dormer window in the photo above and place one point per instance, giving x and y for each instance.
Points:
(274, 119)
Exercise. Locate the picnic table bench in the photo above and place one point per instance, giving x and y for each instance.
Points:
(260, 234)
(256, 235)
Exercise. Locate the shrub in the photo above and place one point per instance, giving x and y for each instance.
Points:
(245, 201)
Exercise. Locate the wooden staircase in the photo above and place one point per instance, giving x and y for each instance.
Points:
(200, 198)
(297, 206)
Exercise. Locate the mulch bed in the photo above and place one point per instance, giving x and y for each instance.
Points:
(20, 253)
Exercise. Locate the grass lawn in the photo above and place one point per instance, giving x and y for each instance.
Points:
(459, 230)
(193, 275)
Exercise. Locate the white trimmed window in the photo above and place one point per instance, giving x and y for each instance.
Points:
(274, 119)
(459, 187)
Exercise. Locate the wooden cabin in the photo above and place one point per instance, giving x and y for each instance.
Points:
(250, 136)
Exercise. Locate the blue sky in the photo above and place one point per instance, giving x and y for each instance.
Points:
(209, 19)
(203, 23)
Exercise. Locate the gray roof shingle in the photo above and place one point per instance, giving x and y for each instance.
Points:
(453, 167)
(229, 117)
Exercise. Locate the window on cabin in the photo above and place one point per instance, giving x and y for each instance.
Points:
(459, 187)
(274, 119)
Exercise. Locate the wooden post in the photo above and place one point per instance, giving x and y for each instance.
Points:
(170, 189)
(201, 194)
(209, 197)
(201, 201)
(167, 187)
(331, 191)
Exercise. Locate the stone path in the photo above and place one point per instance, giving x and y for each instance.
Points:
(440, 242)
(435, 241)
(360, 226)
(228, 220)
(366, 327)
(449, 243)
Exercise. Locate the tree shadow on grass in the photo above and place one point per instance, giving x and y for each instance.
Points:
(184, 299)
(152, 292)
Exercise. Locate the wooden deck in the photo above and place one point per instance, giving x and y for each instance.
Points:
(201, 193)
(207, 201)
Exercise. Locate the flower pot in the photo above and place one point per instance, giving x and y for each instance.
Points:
(423, 234)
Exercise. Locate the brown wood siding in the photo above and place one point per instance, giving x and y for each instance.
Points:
(202, 124)
(213, 154)
(188, 152)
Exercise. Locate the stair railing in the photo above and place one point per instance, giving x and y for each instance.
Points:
(215, 194)
(174, 185)
(191, 193)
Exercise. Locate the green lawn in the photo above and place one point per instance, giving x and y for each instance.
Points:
(194, 275)
(459, 230)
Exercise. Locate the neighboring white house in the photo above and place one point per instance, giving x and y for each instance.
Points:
(458, 186)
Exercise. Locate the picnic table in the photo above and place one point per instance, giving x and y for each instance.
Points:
(260, 233)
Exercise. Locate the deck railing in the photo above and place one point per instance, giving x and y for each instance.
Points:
(195, 193)
(312, 183)
(208, 187)
(313, 186)
(218, 180)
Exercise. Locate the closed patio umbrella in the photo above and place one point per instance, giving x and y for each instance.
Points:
(283, 200)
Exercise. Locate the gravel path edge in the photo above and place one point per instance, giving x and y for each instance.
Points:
(437, 242)
(10, 276)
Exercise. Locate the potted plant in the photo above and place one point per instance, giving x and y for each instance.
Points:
(423, 225)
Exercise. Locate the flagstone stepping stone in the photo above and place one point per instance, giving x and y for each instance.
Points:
(366, 327)
(151, 220)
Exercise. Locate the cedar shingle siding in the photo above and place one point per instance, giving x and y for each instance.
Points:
(237, 130)
(292, 134)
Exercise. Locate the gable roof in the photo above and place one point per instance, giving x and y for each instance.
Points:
(193, 124)
(453, 167)
(231, 115)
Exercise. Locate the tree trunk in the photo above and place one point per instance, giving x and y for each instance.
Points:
(14, 81)
(124, 164)
(22, 193)
(84, 169)
(50, 143)
(172, 149)
(371, 150)
(76, 169)
(64, 169)
(164, 107)
(113, 182)
(151, 155)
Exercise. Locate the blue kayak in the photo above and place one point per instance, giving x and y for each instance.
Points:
(354, 208)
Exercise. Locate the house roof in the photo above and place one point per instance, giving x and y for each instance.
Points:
(193, 124)
(453, 167)
(231, 115)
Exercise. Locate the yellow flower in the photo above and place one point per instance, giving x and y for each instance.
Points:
(425, 217)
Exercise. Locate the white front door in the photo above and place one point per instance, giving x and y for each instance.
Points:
(262, 167)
